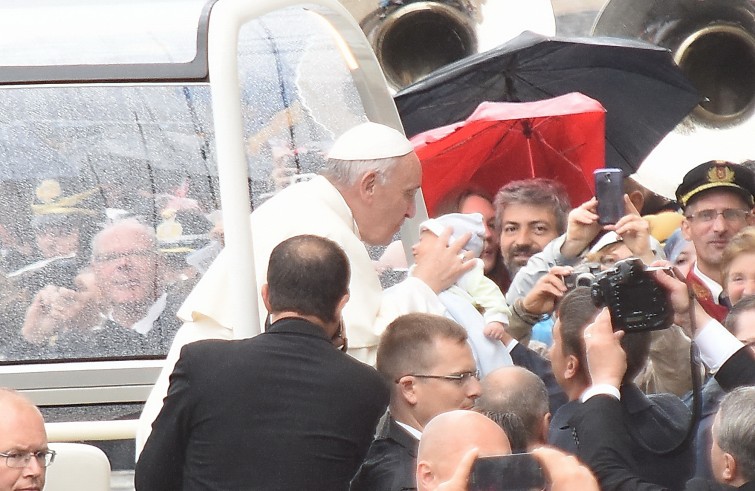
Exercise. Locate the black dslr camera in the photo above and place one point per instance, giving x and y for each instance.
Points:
(637, 302)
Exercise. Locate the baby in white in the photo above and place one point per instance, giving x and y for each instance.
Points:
(472, 289)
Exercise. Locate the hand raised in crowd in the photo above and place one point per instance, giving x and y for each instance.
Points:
(606, 360)
(444, 263)
(547, 291)
(679, 296)
(459, 481)
(634, 232)
(49, 312)
(563, 471)
(581, 228)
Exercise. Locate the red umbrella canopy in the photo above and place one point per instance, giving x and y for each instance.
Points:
(562, 138)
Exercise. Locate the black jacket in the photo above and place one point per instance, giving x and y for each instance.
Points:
(652, 422)
(608, 452)
(391, 462)
(283, 410)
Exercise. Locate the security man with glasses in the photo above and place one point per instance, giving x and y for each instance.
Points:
(717, 200)
(429, 364)
(24, 455)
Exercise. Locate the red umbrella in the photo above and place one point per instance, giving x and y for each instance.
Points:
(561, 138)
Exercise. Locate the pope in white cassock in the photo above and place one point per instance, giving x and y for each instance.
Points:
(364, 193)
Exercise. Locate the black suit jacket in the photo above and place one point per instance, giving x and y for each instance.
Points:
(284, 410)
(608, 452)
(651, 422)
(391, 462)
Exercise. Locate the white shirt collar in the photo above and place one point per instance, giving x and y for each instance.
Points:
(145, 324)
(411, 430)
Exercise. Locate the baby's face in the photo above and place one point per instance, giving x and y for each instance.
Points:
(426, 240)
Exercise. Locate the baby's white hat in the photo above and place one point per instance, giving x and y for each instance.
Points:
(461, 223)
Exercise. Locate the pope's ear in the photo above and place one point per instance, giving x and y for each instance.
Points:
(367, 184)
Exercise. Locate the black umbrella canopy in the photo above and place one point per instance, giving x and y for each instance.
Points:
(643, 91)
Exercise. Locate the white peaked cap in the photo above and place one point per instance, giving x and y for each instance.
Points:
(461, 223)
(370, 141)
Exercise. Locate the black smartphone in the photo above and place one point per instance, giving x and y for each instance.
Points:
(609, 189)
(516, 472)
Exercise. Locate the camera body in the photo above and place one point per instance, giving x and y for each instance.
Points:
(637, 302)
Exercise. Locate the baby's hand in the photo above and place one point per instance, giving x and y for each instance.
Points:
(495, 330)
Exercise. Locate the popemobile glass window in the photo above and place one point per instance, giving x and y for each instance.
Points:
(109, 197)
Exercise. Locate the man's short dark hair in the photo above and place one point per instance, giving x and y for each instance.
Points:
(408, 343)
(540, 192)
(309, 275)
(575, 312)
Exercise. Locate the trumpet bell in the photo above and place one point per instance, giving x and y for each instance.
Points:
(412, 38)
(713, 42)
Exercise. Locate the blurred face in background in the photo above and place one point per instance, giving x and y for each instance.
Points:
(740, 278)
(491, 248)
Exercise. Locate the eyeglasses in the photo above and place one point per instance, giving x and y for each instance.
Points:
(460, 378)
(21, 460)
(732, 215)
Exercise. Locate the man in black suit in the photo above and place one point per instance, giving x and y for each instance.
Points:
(599, 421)
(657, 423)
(284, 410)
(430, 366)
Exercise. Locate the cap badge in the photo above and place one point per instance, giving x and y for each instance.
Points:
(720, 173)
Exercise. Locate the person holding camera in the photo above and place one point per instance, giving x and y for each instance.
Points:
(657, 423)
(608, 452)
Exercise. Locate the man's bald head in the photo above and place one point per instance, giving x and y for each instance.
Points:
(519, 391)
(448, 437)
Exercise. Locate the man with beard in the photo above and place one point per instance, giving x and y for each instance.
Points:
(529, 214)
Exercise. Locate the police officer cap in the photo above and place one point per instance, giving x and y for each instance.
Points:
(714, 175)
(370, 141)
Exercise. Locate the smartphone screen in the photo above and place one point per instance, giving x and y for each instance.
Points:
(609, 190)
(516, 472)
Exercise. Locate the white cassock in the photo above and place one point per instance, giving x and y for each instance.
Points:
(313, 207)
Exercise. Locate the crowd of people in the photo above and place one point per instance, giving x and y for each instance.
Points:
(488, 346)
(95, 281)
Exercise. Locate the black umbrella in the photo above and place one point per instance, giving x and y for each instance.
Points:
(643, 91)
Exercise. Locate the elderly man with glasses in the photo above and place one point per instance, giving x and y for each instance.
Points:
(717, 199)
(24, 455)
(431, 369)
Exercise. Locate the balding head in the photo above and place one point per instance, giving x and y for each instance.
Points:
(22, 430)
(448, 437)
(517, 390)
